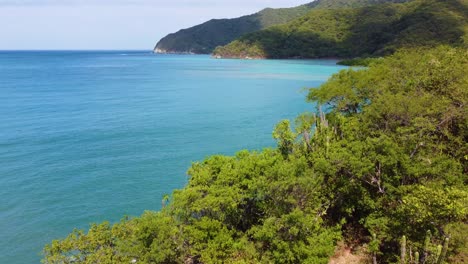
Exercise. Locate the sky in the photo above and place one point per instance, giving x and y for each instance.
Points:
(111, 24)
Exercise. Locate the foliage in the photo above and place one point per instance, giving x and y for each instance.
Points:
(375, 30)
(401, 156)
(353, 3)
(364, 62)
(255, 207)
(458, 242)
(388, 159)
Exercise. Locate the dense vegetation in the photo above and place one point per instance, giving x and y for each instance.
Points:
(365, 62)
(389, 158)
(358, 32)
(351, 3)
(206, 37)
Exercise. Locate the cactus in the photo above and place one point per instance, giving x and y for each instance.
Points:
(442, 254)
(165, 200)
(403, 250)
(427, 241)
(437, 257)
(439, 251)
(374, 254)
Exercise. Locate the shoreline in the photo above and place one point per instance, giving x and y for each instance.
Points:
(246, 57)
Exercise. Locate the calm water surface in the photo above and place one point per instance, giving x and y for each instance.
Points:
(93, 136)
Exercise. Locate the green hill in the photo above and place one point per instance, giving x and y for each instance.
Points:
(206, 37)
(353, 32)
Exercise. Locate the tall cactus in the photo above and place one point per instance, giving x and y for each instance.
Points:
(439, 251)
(442, 255)
(403, 250)
(427, 241)
(416, 258)
(374, 249)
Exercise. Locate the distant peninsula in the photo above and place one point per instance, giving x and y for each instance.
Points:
(204, 38)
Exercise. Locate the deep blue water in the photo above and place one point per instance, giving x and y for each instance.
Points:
(93, 136)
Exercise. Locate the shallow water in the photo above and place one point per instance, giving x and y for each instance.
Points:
(93, 136)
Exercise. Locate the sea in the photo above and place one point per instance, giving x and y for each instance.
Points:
(92, 136)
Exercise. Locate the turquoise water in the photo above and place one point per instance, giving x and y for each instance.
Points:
(93, 136)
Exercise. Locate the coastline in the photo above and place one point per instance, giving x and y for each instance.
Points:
(214, 56)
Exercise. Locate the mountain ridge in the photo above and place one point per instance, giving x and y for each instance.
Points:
(205, 37)
(357, 32)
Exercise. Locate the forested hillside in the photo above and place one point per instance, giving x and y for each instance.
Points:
(368, 31)
(385, 168)
(206, 37)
